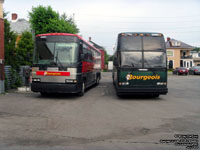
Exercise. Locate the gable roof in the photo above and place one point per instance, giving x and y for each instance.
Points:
(20, 26)
(181, 46)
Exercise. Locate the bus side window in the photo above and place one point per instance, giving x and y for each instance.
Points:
(90, 56)
(85, 52)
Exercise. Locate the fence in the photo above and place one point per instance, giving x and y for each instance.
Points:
(10, 79)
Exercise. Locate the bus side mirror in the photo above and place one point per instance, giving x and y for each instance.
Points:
(82, 56)
(115, 61)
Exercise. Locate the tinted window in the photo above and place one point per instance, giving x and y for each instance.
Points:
(135, 43)
(153, 43)
(154, 59)
(131, 59)
(130, 43)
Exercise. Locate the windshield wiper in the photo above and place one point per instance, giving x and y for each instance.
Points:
(58, 61)
(129, 65)
(53, 62)
(126, 66)
(159, 66)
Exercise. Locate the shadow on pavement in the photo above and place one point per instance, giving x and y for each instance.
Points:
(139, 97)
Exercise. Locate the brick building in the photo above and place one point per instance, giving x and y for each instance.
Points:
(2, 88)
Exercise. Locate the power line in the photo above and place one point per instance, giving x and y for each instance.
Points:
(137, 30)
(123, 22)
(167, 28)
(141, 16)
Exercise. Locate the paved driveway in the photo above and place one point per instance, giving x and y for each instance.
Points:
(100, 119)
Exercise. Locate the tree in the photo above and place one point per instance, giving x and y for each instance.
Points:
(25, 48)
(70, 20)
(106, 56)
(10, 44)
(196, 49)
(46, 20)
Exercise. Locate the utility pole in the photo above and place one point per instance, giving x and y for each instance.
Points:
(2, 76)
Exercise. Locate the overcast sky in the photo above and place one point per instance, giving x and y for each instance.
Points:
(103, 20)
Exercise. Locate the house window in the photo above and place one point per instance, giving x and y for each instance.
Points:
(187, 64)
(191, 64)
(181, 63)
(176, 43)
(184, 64)
(170, 53)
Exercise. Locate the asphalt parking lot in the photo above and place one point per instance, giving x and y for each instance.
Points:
(100, 119)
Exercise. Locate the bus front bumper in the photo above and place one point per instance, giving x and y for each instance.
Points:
(55, 87)
(142, 90)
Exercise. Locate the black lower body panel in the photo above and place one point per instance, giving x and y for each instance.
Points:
(141, 90)
(56, 87)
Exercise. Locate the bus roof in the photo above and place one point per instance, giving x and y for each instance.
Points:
(69, 34)
(141, 33)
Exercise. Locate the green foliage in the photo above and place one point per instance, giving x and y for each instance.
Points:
(111, 58)
(70, 20)
(106, 56)
(46, 20)
(25, 48)
(197, 49)
(16, 80)
(10, 44)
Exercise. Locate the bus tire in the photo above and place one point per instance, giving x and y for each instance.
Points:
(156, 95)
(43, 93)
(82, 89)
(119, 94)
(97, 80)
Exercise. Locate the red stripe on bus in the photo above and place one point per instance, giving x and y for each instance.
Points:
(52, 73)
(87, 66)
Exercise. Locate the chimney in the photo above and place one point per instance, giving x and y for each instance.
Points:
(90, 39)
(14, 17)
(168, 39)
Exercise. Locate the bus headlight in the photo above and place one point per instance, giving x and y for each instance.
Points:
(36, 79)
(70, 81)
(161, 83)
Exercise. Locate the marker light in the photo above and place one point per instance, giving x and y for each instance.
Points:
(70, 81)
(156, 34)
(123, 83)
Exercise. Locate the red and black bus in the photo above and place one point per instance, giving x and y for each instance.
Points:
(64, 63)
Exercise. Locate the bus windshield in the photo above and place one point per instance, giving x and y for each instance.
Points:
(55, 52)
(142, 51)
(151, 59)
(139, 43)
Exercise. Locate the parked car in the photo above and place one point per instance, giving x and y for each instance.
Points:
(194, 70)
(180, 71)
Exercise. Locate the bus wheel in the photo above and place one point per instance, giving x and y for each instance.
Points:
(156, 95)
(82, 89)
(43, 93)
(119, 94)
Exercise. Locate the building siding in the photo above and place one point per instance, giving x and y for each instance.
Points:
(175, 58)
